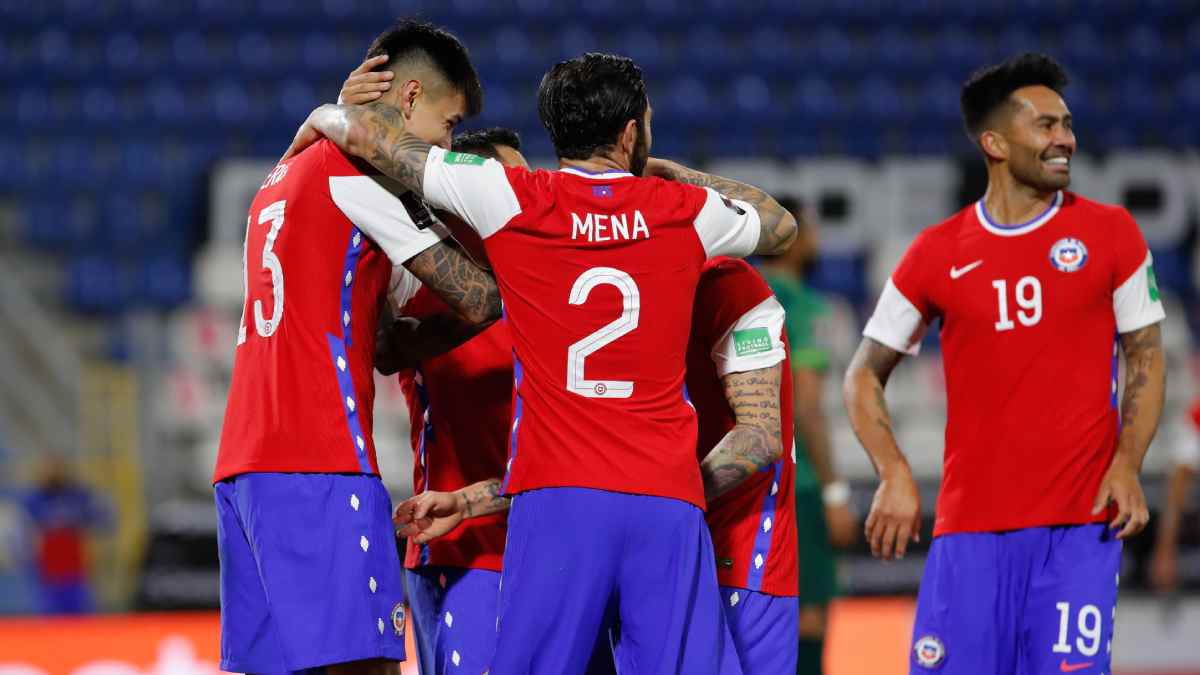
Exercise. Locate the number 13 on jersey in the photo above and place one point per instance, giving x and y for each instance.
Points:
(264, 326)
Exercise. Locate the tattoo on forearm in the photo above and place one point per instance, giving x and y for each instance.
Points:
(1145, 379)
(379, 136)
(465, 287)
(880, 360)
(755, 440)
(484, 498)
(778, 227)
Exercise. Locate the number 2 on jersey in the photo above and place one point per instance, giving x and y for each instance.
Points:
(1028, 294)
(265, 327)
(577, 353)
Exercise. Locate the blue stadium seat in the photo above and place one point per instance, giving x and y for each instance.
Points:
(814, 101)
(834, 52)
(97, 284)
(772, 51)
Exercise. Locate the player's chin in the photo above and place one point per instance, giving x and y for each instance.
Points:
(1056, 178)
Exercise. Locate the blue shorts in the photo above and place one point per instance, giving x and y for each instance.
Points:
(576, 555)
(764, 629)
(454, 617)
(310, 575)
(1024, 602)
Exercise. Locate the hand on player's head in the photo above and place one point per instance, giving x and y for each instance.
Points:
(364, 84)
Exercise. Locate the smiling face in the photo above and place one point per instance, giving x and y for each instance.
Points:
(1037, 140)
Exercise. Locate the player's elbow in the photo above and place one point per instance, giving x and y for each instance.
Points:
(779, 232)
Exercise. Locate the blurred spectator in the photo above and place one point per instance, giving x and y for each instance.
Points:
(1164, 566)
(62, 511)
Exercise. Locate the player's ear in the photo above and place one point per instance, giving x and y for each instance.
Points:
(994, 145)
(627, 141)
(409, 92)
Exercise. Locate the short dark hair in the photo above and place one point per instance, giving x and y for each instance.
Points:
(483, 142)
(585, 102)
(409, 39)
(989, 88)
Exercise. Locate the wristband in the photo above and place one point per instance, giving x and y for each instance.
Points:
(836, 493)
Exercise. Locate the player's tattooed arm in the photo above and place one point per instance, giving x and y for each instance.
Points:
(778, 225)
(1141, 407)
(375, 132)
(464, 286)
(403, 342)
(483, 498)
(432, 514)
(895, 516)
(755, 441)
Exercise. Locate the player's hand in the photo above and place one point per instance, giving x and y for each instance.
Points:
(661, 168)
(1121, 485)
(843, 529)
(332, 122)
(364, 85)
(1164, 569)
(895, 517)
(428, 515)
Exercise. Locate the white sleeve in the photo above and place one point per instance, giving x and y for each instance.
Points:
(402, 288)
(1137, 303)
(378, 212)
(754, 341)
(727, 226)
(472, 188)
(896, 323)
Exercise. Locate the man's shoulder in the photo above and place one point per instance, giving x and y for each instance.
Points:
(1076, 204)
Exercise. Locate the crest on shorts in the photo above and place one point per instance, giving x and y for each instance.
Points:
(929, 651)
(1068, 255)
(398, 619)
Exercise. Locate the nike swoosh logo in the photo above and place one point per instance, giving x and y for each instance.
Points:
(1072, 667)
(956, 272)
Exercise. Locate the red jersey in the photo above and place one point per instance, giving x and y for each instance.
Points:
(1029, 315)
(738, 327)
(460, 408)
(598, 275)
(302, 391)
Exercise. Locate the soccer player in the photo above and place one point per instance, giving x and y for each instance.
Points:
(460, 409)
(1164, 564)
(309, 572)
(736, 358)
(737, 377)
(823, 516)
(1031, 284)
(598, 267)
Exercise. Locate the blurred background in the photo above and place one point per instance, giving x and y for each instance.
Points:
(135, 132)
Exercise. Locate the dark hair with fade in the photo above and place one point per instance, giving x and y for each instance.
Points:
(989, 88)
(585, 102)
(409, 39)
(483, 142)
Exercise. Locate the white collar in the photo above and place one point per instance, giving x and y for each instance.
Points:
(1019, 228)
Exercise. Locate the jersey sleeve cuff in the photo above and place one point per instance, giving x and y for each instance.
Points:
(753, 342)
(1137, 302)
(896, 323)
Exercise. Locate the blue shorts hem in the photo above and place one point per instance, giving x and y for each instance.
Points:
(235, 666)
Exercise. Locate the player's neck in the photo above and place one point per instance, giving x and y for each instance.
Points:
(1008, 202)
(594, 164)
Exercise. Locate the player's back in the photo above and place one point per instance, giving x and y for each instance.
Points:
(738, 327)
(598, 275)
(302, 389)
